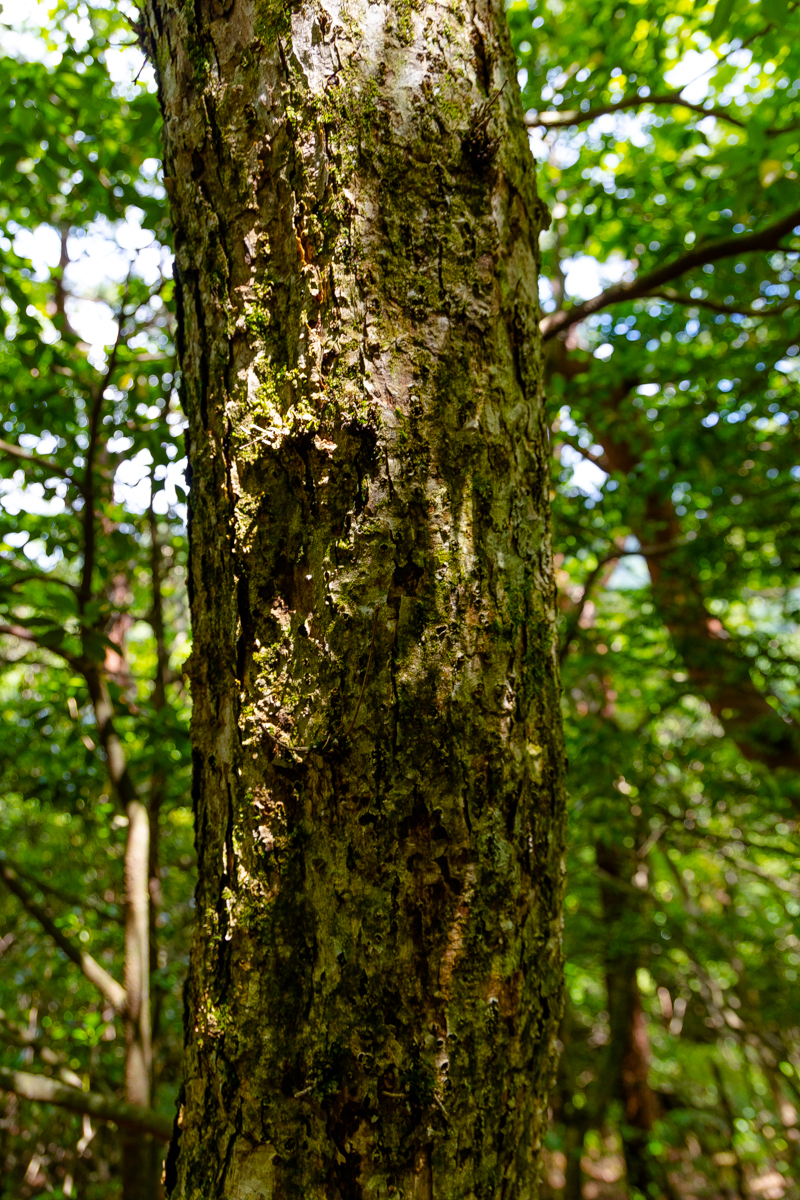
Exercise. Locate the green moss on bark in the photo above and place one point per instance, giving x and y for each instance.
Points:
(272, 19)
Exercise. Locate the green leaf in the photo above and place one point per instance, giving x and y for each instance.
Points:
(723, 12)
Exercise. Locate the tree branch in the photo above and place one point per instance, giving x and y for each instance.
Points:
(592, 577)
(16, 1035)
(65, 897)
(85, 590)
(743, 865)
(47, 464)
(103, 1108)
(599, 460)
(61, 292)
(41, 577)
(572, 626)
(25, 635)
(711, 842)
(113, 992)
(716, 670)
(557, 120)
(716, 306)
(644, 285)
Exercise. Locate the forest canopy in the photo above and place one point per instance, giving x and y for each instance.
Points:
(666, 137)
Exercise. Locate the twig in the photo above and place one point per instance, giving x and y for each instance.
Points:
(104, 1108)
(643, 551)
(46, 464)
(716, 306)
(25, 635)
(572, 626)
(73, 901)
(741, 865)
(558, 120)
(91, 968)
(644, 285)
(650, 841)
(85, 590)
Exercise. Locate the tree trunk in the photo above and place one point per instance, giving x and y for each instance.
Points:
(577, 1121)
(140, 1157)
(628, 1056)
(139, 1154)
(576, 1130)
(375, 980)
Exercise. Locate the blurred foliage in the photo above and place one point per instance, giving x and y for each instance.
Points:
(100, 430)
(662, 129)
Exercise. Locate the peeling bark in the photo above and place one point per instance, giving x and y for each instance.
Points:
(375, 981)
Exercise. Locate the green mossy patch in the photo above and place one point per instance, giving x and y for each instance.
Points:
(273, 19)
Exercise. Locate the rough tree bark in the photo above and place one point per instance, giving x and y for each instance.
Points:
(375, 981)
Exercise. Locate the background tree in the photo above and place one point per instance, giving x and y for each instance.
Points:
(93, 740)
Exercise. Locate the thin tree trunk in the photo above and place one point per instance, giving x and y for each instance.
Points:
(375, 981)
(576, 1121)
(139, 1154)
(628, 1052)
(140, 1157)
(158, 788)
(576, 1131)
(741, 1189)
(158, 780)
